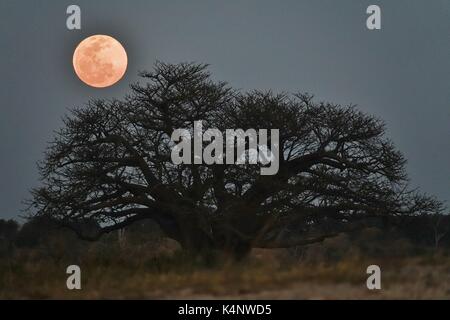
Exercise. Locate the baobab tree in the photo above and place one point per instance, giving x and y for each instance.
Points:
(110, 166)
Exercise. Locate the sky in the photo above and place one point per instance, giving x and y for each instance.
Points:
(400, 73)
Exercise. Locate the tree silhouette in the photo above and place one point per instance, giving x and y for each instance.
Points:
(110, 164)
(8, 234)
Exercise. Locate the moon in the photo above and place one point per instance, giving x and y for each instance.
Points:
(100, 61)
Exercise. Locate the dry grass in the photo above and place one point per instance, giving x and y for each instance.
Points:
(118, 275)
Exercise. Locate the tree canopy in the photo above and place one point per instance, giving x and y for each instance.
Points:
(110, 166)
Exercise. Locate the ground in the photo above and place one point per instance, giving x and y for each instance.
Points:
(258, 277)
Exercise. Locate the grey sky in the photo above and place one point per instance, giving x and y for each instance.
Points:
(401, 73)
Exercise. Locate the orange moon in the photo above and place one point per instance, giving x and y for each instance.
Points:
(100, 61)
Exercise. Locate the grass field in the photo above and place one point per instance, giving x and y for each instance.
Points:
(266, 274)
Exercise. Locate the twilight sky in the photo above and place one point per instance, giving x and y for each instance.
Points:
(400, 73)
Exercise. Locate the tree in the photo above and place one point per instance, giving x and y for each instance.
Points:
(440, 227)
(111, 164)
(8, 234)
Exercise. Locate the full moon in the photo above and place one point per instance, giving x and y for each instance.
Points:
(100, 61)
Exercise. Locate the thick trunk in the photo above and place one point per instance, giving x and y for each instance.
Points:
(200, 237)
(230, 240)
(190, 230)
(236, 233)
